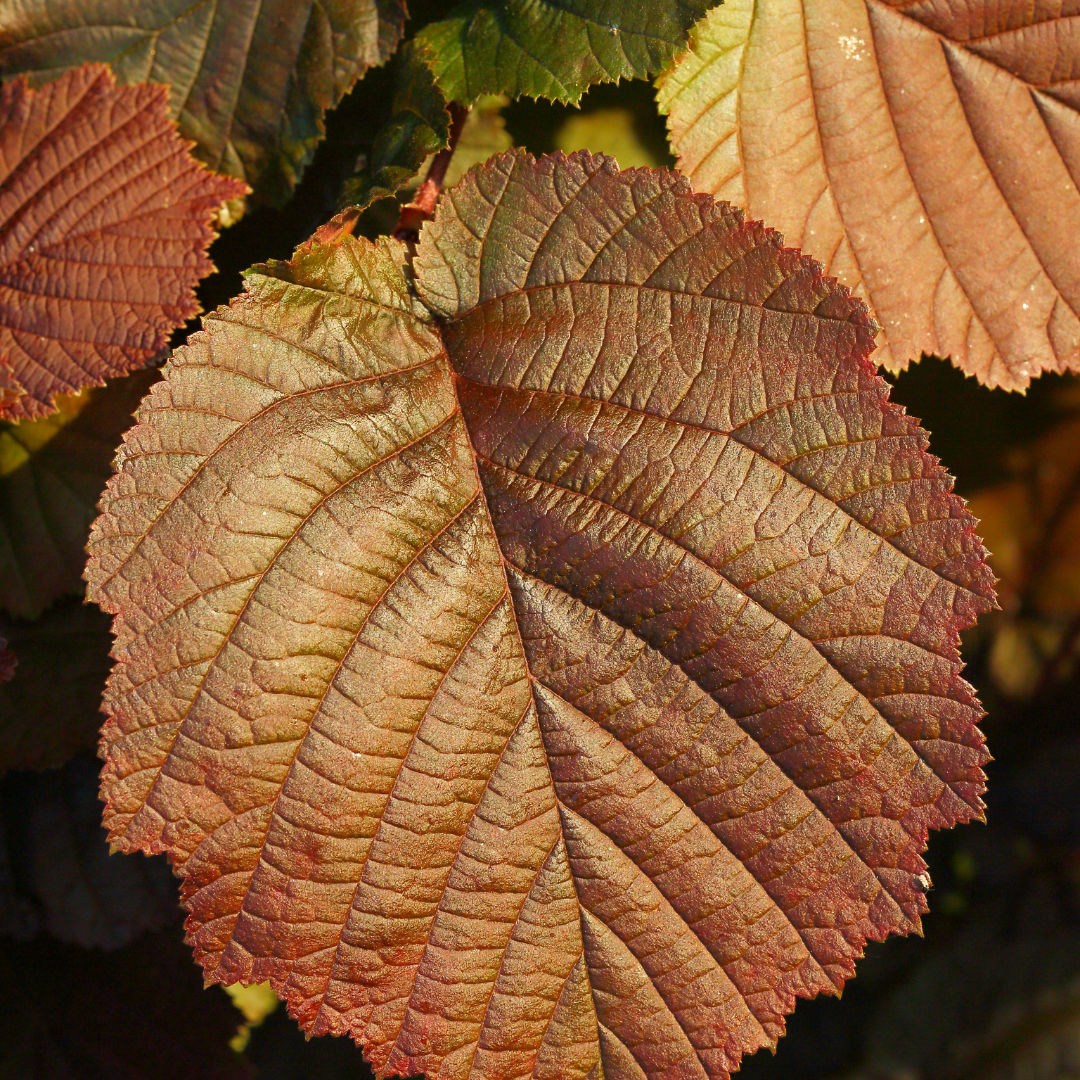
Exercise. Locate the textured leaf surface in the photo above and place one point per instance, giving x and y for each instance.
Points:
(50, 707)
(248, 82)
(558, 689)
(927, 153)
(60, 877)
(418, 126)
(104, 223)
(553, 48)
(52, 473)
(65, 1007)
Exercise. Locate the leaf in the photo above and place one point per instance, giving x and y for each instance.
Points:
(104, 223)
(139, 1013)
(49, 709)
(52, 473)
(256, 1003)
(418, 126)
(61, 876)
(580, 666)
(553, 48)
(248, 83)
(927, 153)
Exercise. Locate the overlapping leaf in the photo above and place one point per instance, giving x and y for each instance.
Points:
(551, 48)
(249, 83)
(104, 223)
(418, 126)
(559, 688)
(927, 153)
(52, 473)
(50, 706)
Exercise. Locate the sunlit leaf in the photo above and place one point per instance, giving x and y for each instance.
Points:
(553, 49)
(104, 223)
(560, 687)
(927, 153)
(249, 83)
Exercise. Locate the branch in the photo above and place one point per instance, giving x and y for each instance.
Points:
(415, 213)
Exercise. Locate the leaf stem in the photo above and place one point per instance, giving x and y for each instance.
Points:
(415, 213)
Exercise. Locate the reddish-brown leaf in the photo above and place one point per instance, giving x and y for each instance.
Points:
(105, 218)
(926, 151)
(557, 688)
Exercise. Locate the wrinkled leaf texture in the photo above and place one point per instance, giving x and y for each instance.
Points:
(249, 82)
(553, 48)
(104, 223)
(556, 686)
(928, 153)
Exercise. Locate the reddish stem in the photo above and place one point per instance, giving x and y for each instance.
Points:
(415, 213)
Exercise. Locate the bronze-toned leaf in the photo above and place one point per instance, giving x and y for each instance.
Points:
(104, 223)
(249, 83)
(928, 153)
(560, 687)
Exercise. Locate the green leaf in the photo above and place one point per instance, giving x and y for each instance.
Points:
(250, 82)
(419, 125)
(555, 48)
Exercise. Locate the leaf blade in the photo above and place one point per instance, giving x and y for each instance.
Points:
(535, 734)
(948, 125)
(106, 221)
(552, 50)
(248, 83)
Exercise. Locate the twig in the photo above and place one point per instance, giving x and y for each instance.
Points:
(415, 213)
